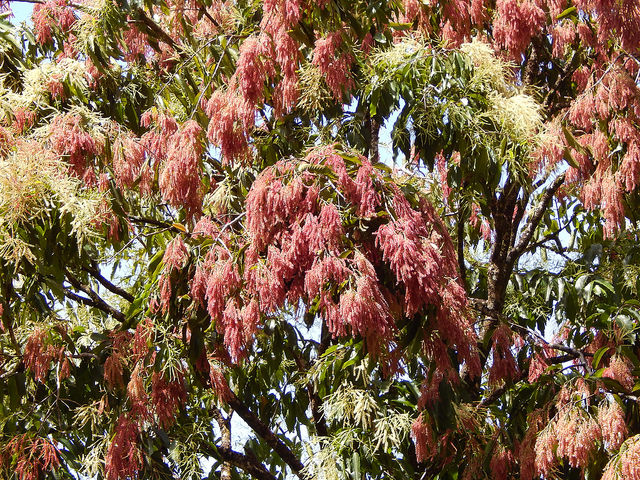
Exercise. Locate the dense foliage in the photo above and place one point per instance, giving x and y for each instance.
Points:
(327, 240)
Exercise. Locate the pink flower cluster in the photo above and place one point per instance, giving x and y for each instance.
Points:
(180, 180)
(422, 257)
(501, 464)
(232, 118)
(302, 241)
(457, 17)
(296, 253)
(48, 16)
(35, 456)
(574, 434)
(627, 466)
(612, 421)
(515, 23)
(422, 435)
(124, 456)
(604, 118)
(167, 396)
(70, 139)
(334, 64)
(620, 370)
(270, 57)
(128, 160)
(39, 352)
(617, 20)
(503, 367)
(175, 254)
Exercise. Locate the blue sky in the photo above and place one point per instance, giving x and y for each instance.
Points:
(21, 11)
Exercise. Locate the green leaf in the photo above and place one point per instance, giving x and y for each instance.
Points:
(355, 459)
(598, 356)
(571, 11)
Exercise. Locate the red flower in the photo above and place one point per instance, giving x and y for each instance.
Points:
(124, 458)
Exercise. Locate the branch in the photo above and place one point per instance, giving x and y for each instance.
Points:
(225, 434)
(534, 220)
(212, 77)
(156, 223)
(95, 273)
(460, 245)
(263, 430)
(374, 155)
(265, 120)
(94, 299)
(8, 314)
(246, 463)
(155, 28)
(560, 359)
(315, 402)
(572, 353)
(497, 393)
(203, 11)
(555, 236)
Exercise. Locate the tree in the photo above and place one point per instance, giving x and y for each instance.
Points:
(212, 265)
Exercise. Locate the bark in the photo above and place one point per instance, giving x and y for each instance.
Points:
(374, 151)
(460, 246)
(263, 430)
(225, 433)
(95, 273)
(246, 463)
(94, 299)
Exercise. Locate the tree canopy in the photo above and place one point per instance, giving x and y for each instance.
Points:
(324, 240)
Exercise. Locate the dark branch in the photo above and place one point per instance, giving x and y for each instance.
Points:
(460, 245)
(534, 220)
(315, 402)
(560, 359)
(573, 352)
(154, 28)
(156, 223)
(374, 148)
(150, 221)
(8, 314)
(95, 273)
(246, 463)
(555, 236)
(225, 434)
(263, 430)
(94, 299)
(203, 11)
(497, 393)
